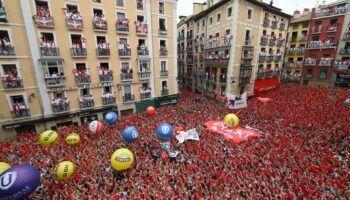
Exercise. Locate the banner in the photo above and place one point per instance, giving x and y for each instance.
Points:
(165, 152)
(264, 100)
(237, 135)
(187, 135)
(237, 101)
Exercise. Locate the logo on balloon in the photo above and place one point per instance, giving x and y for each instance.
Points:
(7, 180)
(135, 134)
(164, 132)
(165, 129)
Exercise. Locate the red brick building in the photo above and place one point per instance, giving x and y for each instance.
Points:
(325, 33)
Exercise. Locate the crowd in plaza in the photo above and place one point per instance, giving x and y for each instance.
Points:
(303, 152)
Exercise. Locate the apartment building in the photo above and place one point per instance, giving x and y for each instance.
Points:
(298, 32)
(341, 69)
(77, 60)
(237, 46)
(323, 41)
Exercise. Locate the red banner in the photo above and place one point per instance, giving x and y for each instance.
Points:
(264, 100)
(237, 135)
(262, 85)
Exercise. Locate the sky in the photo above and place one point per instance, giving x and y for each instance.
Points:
(184, 7)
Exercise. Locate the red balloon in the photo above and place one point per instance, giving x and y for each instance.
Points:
(150, 110)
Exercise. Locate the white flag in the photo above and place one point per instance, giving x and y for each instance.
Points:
(237, 101)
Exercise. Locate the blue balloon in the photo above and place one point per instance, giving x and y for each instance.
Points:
(19, 182)
(111, 118)
(164, 132)
(130, 134)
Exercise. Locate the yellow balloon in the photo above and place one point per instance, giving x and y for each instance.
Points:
(48, 138)
(231, 120)
(122, 159)
(4, 166)
(64, 170)
(73, 139)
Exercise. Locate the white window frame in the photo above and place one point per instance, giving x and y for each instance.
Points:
(166, 65)
(116, 5)
(54, 36)
(166, 42)
(25, 98)
(96, 41)
(159, 7)
(116, 14)
(9, 32)
(132, 89)
(2, 73)
(70, 37)
(73, 4)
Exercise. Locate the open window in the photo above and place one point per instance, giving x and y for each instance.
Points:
(48, 45)
(139, 4)
(161, 8)
(99, 20)
(162, 24)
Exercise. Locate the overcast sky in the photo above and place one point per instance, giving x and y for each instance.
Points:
(185, 6)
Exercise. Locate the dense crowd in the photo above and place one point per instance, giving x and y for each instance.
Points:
(303, 152)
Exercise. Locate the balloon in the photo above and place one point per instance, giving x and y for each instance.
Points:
(111, 118)
(4, 166)
(231, 120)
(19, 182)
(73, 139)
(64, 170)
(130, 134)
(96, 127)
(122, 159)
(48, 138)
(150, 110)
(164, 132)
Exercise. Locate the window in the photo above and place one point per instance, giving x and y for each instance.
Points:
(161, 8)
(123, 40)
(107, 89)
(120, 3)
(323, 74)
(120, 15)
(203, 23)
(210, 21)
(162, 24)
(140, 18)
(218, 16)
(163, 67)
(295, 26)
(127, 89)
(85, 92)
(164, 84)
(229, 12)
(162, 43)
(139, 4)
(305, 25)
(250, 12)
(97, 1)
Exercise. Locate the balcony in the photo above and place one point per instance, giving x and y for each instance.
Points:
(100, 25)
(86, 102)
(330, 11)
(78, 52)
(290, 64)
(325, 62)
(82, 79)
(262, 58)
(332, 29)
(300, 50)
(282, 26)
(126, 76)
(124, 52)
(260, 75)
(122, 26)
(165, 92)
(316, 30)
(345, 51)
(108, 77)
(346, 35)
(163, 52)
(163, 73)
(280, 43)
(61, 107)
(270, 58)
(274, 24)
(163, 32)
(302, 38)
(109, 99)
(272, 42)
(342, 65)
(144, 75)
(44, 22)
(266, 22)
(100, 52)
(49, 51)
(320, 45)
(310, 62)
(141, 28)
(278, 58)
(291, 51)
(21, 113)
(128, 98)
(74, 24)
(264, 41)
(7, 51)
(54, 81)
(143, 52)
(12, 84)
(145, 95)
(299, 64)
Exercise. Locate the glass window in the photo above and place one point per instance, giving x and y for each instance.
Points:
(218, 17)
(250, 12)
(229, 12)
(120, 3)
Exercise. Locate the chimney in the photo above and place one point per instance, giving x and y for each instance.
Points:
(182, 17)
(296, 14)
(306, 11)
(271, 3)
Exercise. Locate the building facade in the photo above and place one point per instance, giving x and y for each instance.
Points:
(78, 60)
(323, 41)
(227, 39)
(298, 32)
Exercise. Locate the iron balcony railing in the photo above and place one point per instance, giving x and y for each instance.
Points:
(83, 79)
(49, 51)
(12, 84)
(87, 103)
(128, 98)
(78, 52)
(62, 107)
(21, 113)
